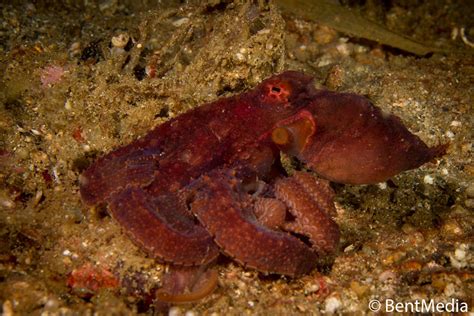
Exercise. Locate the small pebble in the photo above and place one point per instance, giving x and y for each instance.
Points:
(349, 248)
(408, 229)
(449, 290)
(331, 304)
(38, 197)
(460, 253)
(174, 311)
(469, 203)
(68, 105)
(240, 56)
(382, 185)
(470, 190)
(428, 179)
(35, 132)
(7, 308)
(120, 40)
(451, 228)
(5, 201)
(311, 288)
(180, 22)
(51, 303)
(358, 288)
(449, 134)
(386, 275)
(461, 257)
(75, 49)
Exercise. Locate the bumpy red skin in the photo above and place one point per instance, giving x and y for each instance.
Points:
(201, 161)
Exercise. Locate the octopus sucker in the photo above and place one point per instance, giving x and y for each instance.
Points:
(270, 212)
(239, 234)
(311, 218)
(182, 192)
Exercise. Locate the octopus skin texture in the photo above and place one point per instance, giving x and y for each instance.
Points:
(210, 180)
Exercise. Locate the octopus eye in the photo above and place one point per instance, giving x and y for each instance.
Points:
(279, 91)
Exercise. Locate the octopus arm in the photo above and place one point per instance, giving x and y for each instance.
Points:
(114, 172)
(162, 227)
(225, 211)
(310, 201)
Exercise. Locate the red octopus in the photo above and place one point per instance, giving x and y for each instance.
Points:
(210, 181)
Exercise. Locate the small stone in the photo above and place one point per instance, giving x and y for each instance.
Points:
(394, 257)
(408, 229)
(358, 288)
(174, 311)
(449, 134)
(180, 22)
(311, 288)
(331, 304)
(461, 257)
(75, 49)
(451, 228)
(349, 248)
(411, 265)
(35, 132)
(470, 190)
(240, 56)
(460, 254)
(7, 308)
(324, 35)
(38, 197)
(335, 77)
(428, 179)
(5, 201)
(449, 290)
(120, 40)
(386, 275)
(22, 153)
(469, 203)
(68, 105)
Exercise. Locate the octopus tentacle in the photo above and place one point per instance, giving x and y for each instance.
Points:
(309, 204)
(162, 227)
(187, 284)
(226, 212)
(114, 172)
(318, 189)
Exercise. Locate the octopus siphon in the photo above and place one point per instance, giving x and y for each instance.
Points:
(210, 181)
